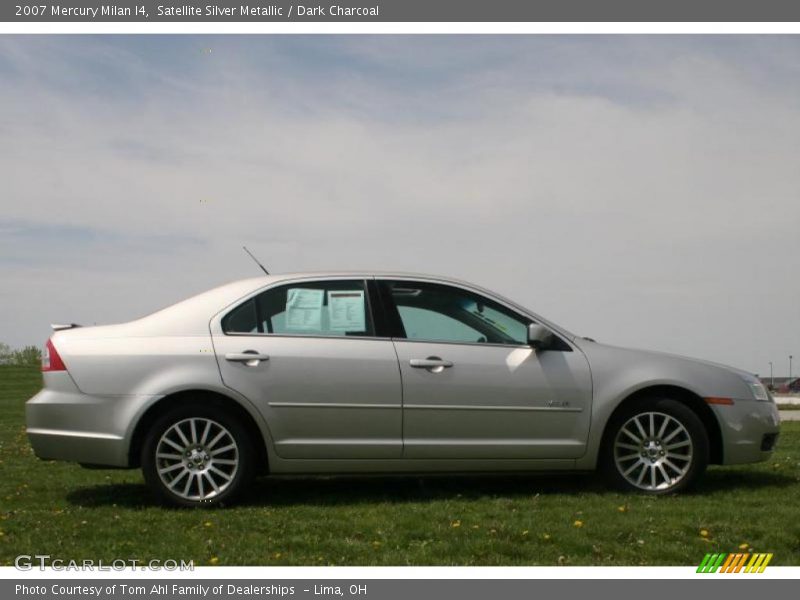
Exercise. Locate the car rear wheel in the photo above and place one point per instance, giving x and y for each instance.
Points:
(197, 456)
(657, 446)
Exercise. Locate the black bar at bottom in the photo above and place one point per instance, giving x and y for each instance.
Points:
(730, 587)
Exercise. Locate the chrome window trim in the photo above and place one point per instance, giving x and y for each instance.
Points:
(309, 335)
(479, 344)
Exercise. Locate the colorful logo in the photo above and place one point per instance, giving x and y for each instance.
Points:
(734, 563)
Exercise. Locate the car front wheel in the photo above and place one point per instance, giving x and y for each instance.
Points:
(197, 456)
(658, 446)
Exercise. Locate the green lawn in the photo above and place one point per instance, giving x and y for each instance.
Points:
(71, 513)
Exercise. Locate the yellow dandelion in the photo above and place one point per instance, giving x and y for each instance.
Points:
(376, 544)
(213, 560)
(455, 524)
(622, 508)
(476, 526)
(744, 546)
(276, 555)
(525, 532)
(207, 524)
(546, 537)
(704, 533)
(578, 523)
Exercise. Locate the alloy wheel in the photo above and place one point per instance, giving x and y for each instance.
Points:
(197, 459)
(653, 451)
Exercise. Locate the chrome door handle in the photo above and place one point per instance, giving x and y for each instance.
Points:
(250, 358)
(434, 364)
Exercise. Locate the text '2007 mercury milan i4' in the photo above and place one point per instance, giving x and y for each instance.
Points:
(380, 373)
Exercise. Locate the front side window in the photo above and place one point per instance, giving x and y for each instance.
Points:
(440, 313)
(329, 308)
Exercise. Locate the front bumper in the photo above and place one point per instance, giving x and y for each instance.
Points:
(72, 426)
(749, 431)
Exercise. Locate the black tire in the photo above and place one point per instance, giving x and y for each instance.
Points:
(221, 468)
(653, 464)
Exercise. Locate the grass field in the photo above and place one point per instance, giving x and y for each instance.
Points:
(71, 513)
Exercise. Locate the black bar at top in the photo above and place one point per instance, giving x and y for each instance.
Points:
(402, 10)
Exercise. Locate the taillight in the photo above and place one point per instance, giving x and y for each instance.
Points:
(51, 361)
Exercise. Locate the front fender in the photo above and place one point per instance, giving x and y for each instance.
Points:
(619, 373)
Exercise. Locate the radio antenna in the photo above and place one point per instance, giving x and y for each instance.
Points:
(255, 259)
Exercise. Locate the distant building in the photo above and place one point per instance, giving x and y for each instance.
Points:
(782, 384)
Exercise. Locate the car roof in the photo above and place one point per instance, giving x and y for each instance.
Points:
(361, 273)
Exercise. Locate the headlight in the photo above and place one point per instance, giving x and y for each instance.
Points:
(760, 393)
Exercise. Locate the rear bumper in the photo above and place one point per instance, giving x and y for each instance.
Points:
(72, 426)
(749, 431)
(83, 447)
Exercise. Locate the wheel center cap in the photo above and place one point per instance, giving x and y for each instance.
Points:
(652, 449)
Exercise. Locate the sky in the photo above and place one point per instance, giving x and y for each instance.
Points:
(640, 190)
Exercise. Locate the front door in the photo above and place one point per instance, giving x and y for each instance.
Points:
(305, 353)
(474, 388)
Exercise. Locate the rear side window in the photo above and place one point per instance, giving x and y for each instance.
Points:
(328, 308)
(243, 319)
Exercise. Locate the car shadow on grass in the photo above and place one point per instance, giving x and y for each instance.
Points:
(342, 489)
(725, 480)
(334, 491)
(350, 490)
(125, 495)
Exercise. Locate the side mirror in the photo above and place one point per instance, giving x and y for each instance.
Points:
(539, 336)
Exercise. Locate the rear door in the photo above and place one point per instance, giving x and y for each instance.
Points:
(305, 353)
(473, 387)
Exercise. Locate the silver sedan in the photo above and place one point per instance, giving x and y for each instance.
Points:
(379, 373)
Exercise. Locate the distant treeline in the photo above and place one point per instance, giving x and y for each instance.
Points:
(29, 356)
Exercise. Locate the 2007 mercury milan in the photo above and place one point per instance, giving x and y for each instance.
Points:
(377, 373)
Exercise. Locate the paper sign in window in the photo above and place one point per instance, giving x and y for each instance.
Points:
(304, 309)
(346, 310)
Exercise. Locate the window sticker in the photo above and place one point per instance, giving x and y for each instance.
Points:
(304, 309)
(346, 310)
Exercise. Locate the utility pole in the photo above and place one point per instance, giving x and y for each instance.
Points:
(771, 376)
